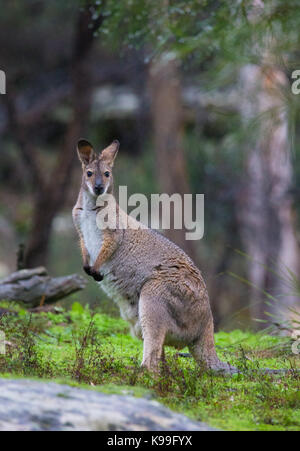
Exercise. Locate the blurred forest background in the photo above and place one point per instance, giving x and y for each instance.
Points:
(199, 95)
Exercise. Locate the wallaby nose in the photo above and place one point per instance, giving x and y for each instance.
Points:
(98, 189)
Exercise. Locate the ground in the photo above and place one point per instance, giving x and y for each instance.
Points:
(93, 350)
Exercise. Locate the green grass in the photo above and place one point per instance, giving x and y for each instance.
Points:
(90, 349)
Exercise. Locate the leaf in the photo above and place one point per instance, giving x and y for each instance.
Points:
(76, 307)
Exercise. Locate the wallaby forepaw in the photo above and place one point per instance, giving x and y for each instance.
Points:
(96, 275)
(87, 269)
(93, 273)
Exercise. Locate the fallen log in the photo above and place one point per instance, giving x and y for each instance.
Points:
(34, 287)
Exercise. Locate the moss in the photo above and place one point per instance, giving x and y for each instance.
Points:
(89, 349)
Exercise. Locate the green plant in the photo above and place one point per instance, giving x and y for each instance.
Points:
(90, 349)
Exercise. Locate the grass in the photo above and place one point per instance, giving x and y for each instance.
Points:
(85, 348)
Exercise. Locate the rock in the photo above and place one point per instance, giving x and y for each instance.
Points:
(27, 405)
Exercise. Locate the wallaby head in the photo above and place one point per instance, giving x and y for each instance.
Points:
(97, 169)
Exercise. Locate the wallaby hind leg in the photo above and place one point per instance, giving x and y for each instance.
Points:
(153, 328)
(204, 352)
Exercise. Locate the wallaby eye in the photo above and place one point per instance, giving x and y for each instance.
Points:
(106, 173)
(89, 173)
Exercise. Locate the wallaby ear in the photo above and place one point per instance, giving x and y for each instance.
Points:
(109, 153)
(85, 151)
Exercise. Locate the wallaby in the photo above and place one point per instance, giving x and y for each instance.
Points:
(158, 288)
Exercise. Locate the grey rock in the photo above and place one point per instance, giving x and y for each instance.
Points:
(27, 405)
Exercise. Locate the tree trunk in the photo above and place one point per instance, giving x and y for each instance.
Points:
(168, 128)
(39, 238)
(265, 205)
(50, 198)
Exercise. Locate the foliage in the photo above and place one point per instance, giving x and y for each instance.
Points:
(235, 31)
(87, 348)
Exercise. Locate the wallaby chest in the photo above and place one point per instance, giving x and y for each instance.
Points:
(115, 283)
(92, 235)
(85, 219)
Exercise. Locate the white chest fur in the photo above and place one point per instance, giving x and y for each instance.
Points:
(92, 235)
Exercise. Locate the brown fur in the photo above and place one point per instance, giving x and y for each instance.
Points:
(159, 290)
